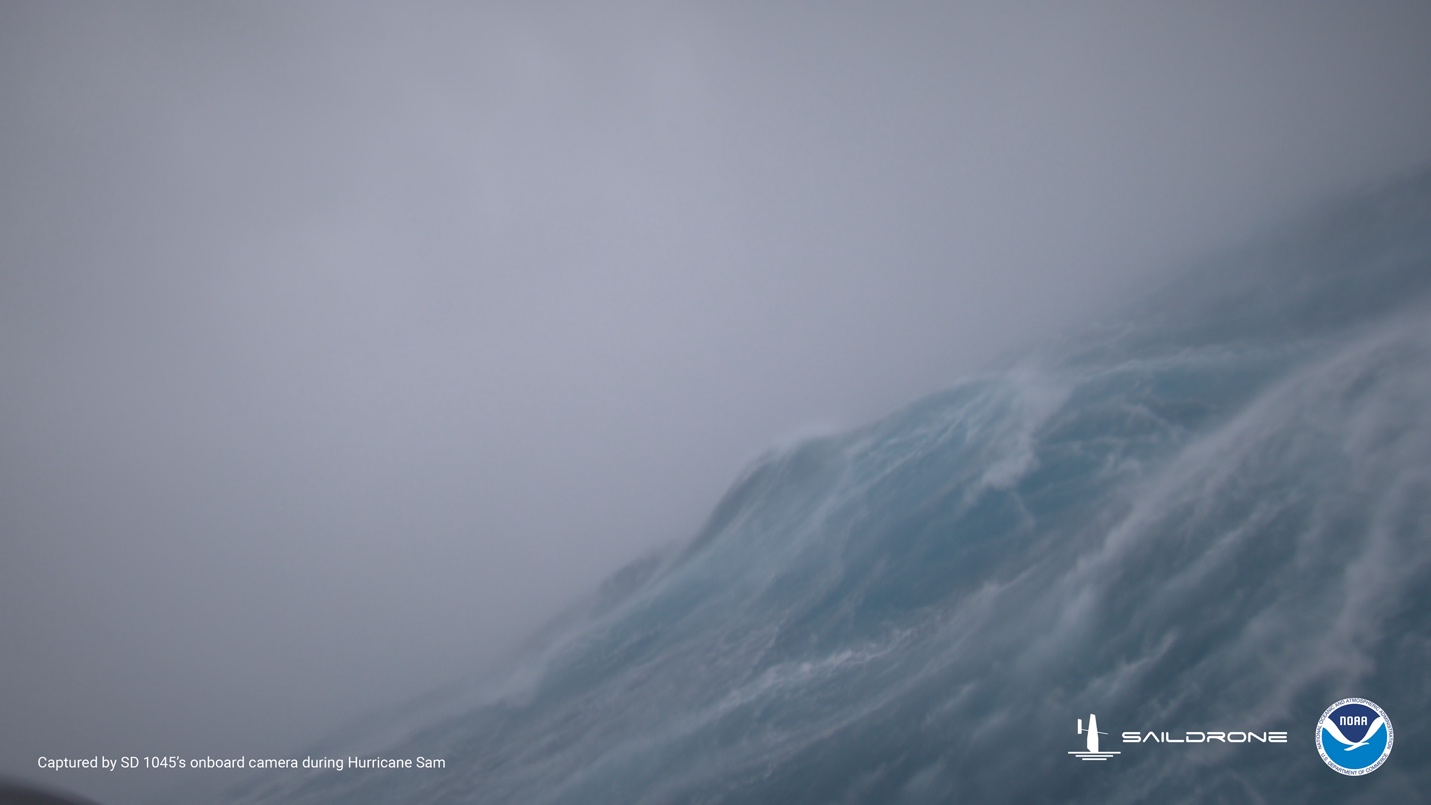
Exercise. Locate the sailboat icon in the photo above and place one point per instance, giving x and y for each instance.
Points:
(1093, 733)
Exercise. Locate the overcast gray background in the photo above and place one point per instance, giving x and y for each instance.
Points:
(342, 346)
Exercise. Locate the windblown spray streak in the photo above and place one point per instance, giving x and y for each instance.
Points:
(1218, 512)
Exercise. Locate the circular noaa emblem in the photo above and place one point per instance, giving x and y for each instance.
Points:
(1354, 737)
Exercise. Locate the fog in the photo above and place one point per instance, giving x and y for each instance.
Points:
(342, 346)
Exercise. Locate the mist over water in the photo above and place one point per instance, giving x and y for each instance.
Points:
(1212, 517)
(343, 347)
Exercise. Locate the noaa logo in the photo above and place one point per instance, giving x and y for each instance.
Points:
(1354, 737)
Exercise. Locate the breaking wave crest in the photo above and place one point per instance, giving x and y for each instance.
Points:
(1216, 511)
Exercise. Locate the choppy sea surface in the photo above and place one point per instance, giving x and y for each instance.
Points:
(1212, 512)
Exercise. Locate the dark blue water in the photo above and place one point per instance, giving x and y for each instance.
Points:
(1212, 512)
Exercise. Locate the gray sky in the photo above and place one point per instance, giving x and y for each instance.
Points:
(341, 346)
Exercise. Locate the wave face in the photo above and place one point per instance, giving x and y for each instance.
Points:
(1215, 515)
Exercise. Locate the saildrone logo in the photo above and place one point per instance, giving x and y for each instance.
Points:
(1354, 737)
(1093, 733)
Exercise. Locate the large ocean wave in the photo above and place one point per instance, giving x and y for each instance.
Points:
(1213, 512)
